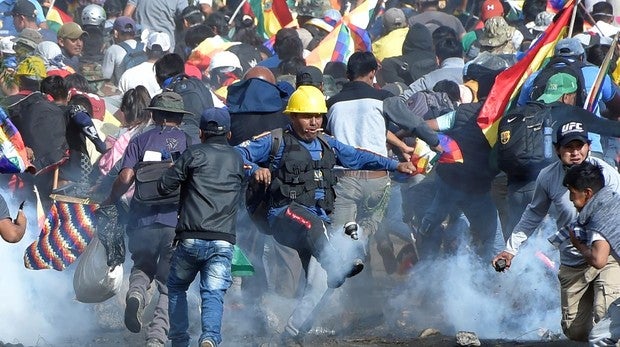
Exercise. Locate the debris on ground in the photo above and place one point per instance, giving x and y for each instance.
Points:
(467, 338)
(429, 332)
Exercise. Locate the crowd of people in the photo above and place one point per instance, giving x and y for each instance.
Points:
(251, 146)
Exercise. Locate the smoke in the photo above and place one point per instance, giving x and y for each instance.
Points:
(38, 307)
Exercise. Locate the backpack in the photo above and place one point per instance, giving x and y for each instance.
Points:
(196, 97)
(557, 65)
(521, 145)
(134, 57)
(438, 103)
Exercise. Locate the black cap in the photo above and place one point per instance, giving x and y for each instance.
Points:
(572, 131)
(309, 76)
(24, 8)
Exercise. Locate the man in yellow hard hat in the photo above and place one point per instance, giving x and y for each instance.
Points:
(296, 166)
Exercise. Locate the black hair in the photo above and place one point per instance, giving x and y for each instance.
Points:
(449, 87)
(288, 44)
(585, 175)
(55, 87)
(196, 34)
(596, 54)
(443, 32)
(291, 66)
(168, 66)
(114, 8)
(336, 69)
(248, 35)
(79, 82)
(133, 105)
(193, 15)
(27, 83)
(81, 100)
(424, 4)
(360, 64)
(448, 48)
(531, 8)
(218, 22)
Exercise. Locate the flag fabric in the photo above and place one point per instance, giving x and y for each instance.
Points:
(272, 15)
(56, 18)
(68, 228)
(451, 150)
(508, 83)
(349, 35)
(13, 157)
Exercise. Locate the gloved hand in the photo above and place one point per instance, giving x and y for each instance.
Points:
(83, 120)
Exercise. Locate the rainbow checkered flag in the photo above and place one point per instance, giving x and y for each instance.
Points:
(68, 228)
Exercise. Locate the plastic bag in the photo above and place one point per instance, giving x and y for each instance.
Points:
(94, 281)
(241, 265)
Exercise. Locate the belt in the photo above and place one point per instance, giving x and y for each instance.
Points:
(363, 174)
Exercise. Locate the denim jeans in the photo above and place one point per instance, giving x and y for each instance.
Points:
(480, 211)
(212, 259)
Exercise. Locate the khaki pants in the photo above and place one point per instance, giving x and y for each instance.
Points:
(586, 293)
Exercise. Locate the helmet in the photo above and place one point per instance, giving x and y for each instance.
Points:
(225, 59)
(32, 67)
(306, 99)
(93, 15)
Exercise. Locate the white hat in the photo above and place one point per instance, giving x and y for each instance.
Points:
(6, 45)
(158, 38)
(225, 59)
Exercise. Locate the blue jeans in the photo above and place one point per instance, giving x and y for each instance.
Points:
(212, 259)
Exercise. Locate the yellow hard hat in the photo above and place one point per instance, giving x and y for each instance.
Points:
(306, 99)
(32, 67)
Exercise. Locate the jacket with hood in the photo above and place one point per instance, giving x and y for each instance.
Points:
(255, 106)
(417, 60)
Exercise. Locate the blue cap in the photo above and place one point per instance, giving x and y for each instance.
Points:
(215, 121)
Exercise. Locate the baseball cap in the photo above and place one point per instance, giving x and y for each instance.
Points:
(490, 9)
(309, 76)
(124, 25)
(6, 45)
(71, 30)
(543, 20)
(225, 59)
(158, 38)
(558, 85)
(169, 102)
(215, 121)
(571, 131)
(29, 37)
(394, 18)
(24, 8)
(568, 48)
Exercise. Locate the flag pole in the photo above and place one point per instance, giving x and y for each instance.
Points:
(572, 19)
(232, 17)
(590, 103)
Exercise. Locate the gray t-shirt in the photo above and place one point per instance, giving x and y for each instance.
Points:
(4, 209)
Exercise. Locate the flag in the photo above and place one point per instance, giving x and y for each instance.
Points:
(348, 36)
(68, 228)
(13, 158)
(56, 18)
(272, 15)
(508, 83)
(451, 150)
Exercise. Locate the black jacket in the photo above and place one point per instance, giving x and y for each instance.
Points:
(211, 178)
(42, 126)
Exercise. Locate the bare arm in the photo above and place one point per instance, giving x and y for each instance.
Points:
(13, 231)
(129, 10)
(120, 186)
(597, 255)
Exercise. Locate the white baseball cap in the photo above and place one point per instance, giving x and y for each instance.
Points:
(225, 59)
(6, 45)
(158, 38)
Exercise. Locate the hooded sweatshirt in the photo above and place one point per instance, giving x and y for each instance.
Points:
(417, 60)
(255, 107)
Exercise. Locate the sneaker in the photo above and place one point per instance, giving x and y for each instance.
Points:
(133, 312)
(334, 280)
(154, 343)
(358, 266)
(207, 343)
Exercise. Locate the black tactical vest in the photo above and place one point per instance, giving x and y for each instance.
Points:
(299, 176)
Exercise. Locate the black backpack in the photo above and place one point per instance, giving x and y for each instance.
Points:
(557, 65)
(521, 141)
(196, 97)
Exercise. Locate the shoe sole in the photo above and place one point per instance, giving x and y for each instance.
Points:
(132, 321)
(357, 268)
